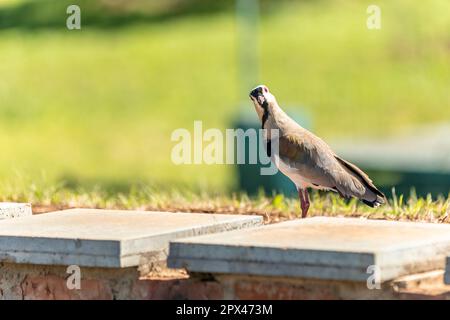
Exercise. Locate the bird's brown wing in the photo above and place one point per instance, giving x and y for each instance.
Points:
(314, 160)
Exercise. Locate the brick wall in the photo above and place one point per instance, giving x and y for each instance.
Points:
(21, 281)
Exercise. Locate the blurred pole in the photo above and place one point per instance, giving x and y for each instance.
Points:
(247, 16)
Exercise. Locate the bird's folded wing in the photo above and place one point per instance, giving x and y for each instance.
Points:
(313, 159)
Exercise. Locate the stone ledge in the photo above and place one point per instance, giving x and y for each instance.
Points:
(318, 248)
(447, 270)
(106, 238)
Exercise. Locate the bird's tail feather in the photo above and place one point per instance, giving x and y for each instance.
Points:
(372, 191)
(376, 203)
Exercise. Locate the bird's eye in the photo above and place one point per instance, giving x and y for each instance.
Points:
(265, 89)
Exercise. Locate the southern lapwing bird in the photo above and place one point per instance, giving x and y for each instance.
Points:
(307, 160)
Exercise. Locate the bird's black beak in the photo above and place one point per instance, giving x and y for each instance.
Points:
(258, 95)
(255, 92)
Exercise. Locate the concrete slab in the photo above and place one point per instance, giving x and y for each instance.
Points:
(319, 248)
(447, 270)
(14, 210)
(105, 238)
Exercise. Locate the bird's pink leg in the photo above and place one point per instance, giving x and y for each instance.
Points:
(306, 194)
(304, 201)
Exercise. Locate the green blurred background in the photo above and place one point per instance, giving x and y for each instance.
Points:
(97, 106)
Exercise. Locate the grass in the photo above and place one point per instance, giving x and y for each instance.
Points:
(274, 208)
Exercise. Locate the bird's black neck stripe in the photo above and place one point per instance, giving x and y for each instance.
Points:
(264, 119)
(269, 148)
(265, 114)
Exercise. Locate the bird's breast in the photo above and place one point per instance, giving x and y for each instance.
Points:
(292, 173)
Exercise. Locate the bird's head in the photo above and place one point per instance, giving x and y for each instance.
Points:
(262, 99)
